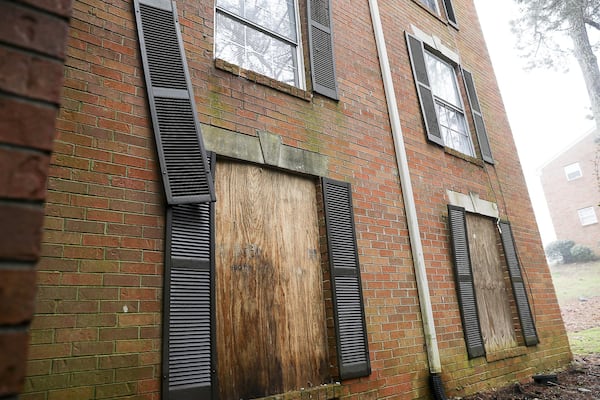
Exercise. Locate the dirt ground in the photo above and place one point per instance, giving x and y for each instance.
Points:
(581, 381)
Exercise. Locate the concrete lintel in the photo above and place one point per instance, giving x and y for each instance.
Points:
(266, 148)
(472, 203)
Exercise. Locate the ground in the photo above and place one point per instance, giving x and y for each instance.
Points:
(579, 297)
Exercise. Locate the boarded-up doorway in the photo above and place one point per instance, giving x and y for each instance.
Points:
(491, 290)
(271, 333)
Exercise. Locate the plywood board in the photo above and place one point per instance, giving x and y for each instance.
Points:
(271, 333)
(491, 291)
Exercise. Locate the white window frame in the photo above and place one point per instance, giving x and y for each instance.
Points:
(573, 169)
(427, 3)
(457, 108)
(300, 72)
(587, 216)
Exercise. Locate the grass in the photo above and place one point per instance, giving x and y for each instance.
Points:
(572, 282)
(585, 342)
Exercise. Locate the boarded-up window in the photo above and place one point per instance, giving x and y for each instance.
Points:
(271, 326)
(491, 290)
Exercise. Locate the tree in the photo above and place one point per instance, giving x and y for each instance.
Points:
(544, 29)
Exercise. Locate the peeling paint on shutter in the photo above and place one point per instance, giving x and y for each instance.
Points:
(188, 314)
(449, 7)
(349, 315)
(182, 157)
(518, 285)
(320, 37)
(417, 61)
(482, 137)
(465, 286)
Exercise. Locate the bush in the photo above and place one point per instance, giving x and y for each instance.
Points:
(582, 254)
(560, 250)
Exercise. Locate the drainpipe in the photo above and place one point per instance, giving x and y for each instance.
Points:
(433, 353)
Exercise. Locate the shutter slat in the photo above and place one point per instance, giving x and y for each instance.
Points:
(465, 286)
(320, 37)
(482, 137)
(348, 307)
(514, 271)
(417, 61)
(182, 158)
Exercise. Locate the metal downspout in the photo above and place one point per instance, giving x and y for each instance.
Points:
(433, 354)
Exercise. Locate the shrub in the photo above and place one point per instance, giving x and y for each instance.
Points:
(582, 254)
(560, 250)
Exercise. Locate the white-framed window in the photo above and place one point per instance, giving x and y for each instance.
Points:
(432, 5)
(573, 171)
(449, 105)
(587, 216)
(262, 36)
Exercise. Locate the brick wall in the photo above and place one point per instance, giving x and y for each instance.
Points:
(565, 197)
(97, 330)
(33, 36)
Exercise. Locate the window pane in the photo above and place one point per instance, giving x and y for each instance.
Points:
(432, 4)
(454, 129)
(278, 16)
(443, 80)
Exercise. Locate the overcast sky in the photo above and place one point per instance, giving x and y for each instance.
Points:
(547, 109)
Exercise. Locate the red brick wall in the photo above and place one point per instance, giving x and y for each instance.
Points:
(33, 36)
(104, 234)
(565, 197)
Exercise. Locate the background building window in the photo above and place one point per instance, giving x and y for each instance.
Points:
(587, 216)
(262, 36)
(448, 104)
(573, 171)
(431, 4)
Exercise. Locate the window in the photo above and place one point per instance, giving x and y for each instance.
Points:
(482, 296)
(262, 36)
(587, 216)
(573, 171)
(431, 4)
(442, 104)
(448, 105)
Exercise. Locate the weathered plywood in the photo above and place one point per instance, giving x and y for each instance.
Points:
(491, 291)
(271, 333)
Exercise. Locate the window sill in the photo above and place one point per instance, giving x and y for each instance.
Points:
(323, 392)
(262, 79)
(504, 354)
(465, 157)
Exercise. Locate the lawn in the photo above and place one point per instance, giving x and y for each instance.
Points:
(574, 283)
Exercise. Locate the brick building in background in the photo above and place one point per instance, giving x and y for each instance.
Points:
(571, 188)
(33, 39)
(325, 267)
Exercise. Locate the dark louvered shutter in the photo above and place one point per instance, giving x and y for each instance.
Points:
(182, 157)
(465, 286)
(188, 315)
(320, 37)
(449, 7)
(351, 330)
(417, 61)
(482, 137)
(518, 285)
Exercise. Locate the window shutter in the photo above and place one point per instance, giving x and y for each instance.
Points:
(182, 157)
(320, 37)
(417, 61)
(465, 286)
(482, 137)
(348, 307)
(518, 285)
(449, 7)
(188, 315)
